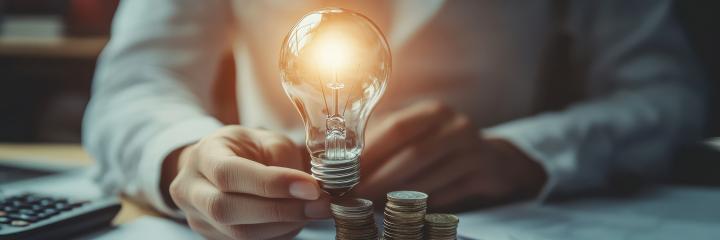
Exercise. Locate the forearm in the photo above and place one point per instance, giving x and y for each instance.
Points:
(131, 142)
(630, 133)
(644, 97)
(151, 89)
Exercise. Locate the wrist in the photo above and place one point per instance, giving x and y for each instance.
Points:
(170, 168)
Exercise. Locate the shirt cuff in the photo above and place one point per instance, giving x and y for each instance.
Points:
(542, 147)
(171, 138)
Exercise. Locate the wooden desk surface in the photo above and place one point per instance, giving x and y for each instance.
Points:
(70, 154)
(52, 47)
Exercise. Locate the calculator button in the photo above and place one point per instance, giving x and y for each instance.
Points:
(23, 217)
(63, 206)
(32, 199)
(50, 211)
(2, 213)
(19, 223)
(46, 202)
(4, 220)
(42, 216)
(26, 211)
(16, 203)
(8, 209)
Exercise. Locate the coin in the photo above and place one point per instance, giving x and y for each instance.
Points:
(354, 219)
(405, 215)
(441, 226)
(352, 204)
(405, 218)
(406, 196)
(442, 219)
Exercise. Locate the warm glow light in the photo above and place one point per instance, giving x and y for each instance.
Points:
(334, 52)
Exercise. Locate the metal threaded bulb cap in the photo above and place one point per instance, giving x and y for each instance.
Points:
(336, 176)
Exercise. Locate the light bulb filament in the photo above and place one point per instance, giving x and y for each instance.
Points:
(335, 137)
(335, 124)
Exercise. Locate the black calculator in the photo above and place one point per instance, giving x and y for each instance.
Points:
(42, 201)
(39, 216)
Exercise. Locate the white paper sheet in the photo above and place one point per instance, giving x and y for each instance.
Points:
(665, 213)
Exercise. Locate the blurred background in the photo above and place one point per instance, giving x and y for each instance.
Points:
(48, 50)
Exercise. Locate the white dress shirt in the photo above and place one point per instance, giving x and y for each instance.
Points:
(642, 94)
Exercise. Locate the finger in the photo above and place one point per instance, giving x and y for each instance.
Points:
(262, 231)
(289, 235)
(263, 146)
(231, 209)
(400, 128)
(278, 150)
(229, 141)
(205, 229)
(305, 153)
(418, 158)
(442, 175)
(447, 197)
(239, 175)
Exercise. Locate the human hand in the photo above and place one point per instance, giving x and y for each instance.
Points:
(242, 183)
(431, 148)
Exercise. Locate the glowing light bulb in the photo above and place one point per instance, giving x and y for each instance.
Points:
(335, 64)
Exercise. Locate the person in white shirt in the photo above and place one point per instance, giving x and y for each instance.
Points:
(466, 117)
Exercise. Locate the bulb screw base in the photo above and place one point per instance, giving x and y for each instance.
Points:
(336, 176)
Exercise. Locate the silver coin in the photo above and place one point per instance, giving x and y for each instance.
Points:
(441, 219)
(405, 215)
(441, 226)
(401, 196)
(352, 203)
(354, 219)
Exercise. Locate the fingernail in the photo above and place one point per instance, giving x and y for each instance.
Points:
(304, 190)
(317, 209)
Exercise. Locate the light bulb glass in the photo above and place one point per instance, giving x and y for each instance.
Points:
(335, 64)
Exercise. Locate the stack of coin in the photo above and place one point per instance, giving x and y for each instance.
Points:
(405, 215)
(354, 219)
(441, 226)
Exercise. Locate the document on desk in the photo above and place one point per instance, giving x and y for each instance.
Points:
(665, 213)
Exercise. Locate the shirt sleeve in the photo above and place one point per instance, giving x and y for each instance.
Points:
(645, 99)
(151, 91)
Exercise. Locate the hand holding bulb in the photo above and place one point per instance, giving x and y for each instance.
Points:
(243, 183)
